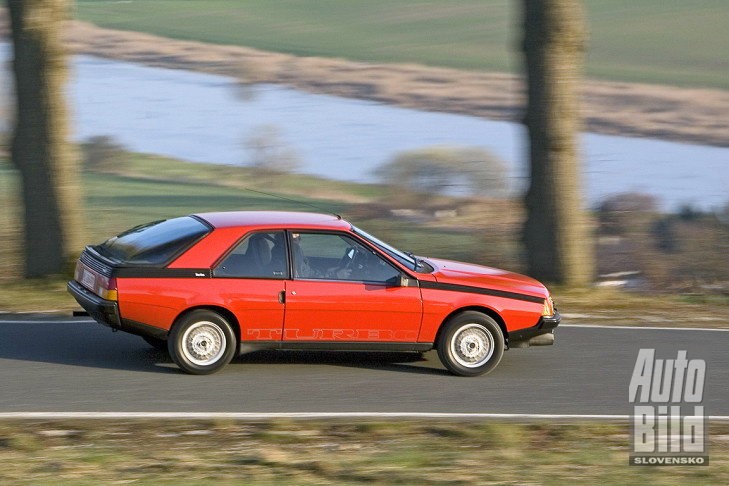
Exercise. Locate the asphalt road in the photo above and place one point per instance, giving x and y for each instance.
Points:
(72, 366)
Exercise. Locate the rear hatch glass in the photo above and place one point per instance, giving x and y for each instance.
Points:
(155, 243)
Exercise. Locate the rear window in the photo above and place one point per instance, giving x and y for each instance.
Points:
(153, 243)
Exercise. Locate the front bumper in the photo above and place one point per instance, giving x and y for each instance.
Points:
(544, 326)
(103, 311)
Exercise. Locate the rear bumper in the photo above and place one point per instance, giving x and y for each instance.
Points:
(103, 311)
(544, 326)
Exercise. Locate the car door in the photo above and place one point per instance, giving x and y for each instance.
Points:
(342, 290)
(251, 282)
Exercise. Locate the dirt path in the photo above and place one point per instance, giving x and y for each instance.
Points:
(640, 110)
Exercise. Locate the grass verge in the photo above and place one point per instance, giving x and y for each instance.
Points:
(619, 308)
(335, 452)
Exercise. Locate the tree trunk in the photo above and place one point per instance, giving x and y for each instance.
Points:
(47, 163)
(557, 233)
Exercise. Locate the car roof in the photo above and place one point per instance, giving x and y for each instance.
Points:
(284, 219)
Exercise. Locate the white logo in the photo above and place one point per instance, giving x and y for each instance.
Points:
(659, 388)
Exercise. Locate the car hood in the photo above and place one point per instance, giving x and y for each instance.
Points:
(452, 272)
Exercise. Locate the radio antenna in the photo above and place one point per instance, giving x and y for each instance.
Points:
(284, 198)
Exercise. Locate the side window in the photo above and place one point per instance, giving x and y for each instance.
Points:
(328, 256)
(260, 255)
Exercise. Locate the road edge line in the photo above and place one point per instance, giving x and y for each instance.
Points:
(312, 415)
(644, 328)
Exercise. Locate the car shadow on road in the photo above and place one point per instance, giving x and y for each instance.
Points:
(91, 346)
(382, 361)
(80, 344)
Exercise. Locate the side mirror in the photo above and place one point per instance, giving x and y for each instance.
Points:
(406, 281)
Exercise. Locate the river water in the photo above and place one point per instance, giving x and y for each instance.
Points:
(202, 118)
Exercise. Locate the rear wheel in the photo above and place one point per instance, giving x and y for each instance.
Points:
(471, 344)
(202, 342)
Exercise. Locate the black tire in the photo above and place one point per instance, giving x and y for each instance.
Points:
(156, 343)
(202, 342)
(471, 344)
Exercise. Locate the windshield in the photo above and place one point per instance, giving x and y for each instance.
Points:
(153, 243)
(406, 259)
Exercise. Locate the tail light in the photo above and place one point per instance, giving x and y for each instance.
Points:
(79, 271)
(107, 288)
(92, 277)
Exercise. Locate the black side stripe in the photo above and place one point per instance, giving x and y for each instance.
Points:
(481, 290)
(155, 272)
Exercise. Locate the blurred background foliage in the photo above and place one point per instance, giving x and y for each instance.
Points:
(268, 150)
(638, 247)
(102, 153)
(446, 170)
(425, 201)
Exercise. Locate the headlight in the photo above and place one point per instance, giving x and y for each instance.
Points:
(548, 310)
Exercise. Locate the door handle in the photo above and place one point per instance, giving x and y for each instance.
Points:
(282, 297)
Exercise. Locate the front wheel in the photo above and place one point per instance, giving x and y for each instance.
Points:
(471, 344)
(202, 342)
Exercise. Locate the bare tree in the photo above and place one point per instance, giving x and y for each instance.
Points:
(39, 149)
(556, 233)
(102, 153)
(5, 95)
(443, 170)
(269, 151)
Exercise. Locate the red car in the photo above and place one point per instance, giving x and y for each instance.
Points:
(209, 286)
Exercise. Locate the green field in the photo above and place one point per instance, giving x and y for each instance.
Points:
(676, 42)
